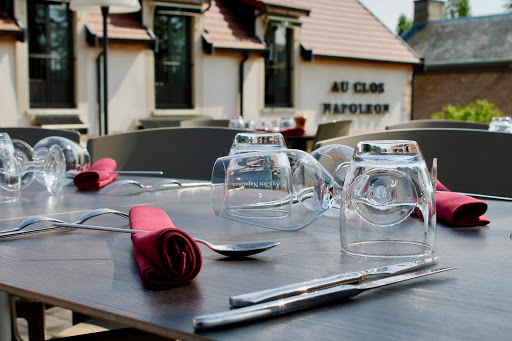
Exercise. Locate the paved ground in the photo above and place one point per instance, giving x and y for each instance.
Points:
(58, 324)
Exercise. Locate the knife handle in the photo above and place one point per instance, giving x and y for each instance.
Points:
(273, 308)
(293, 289)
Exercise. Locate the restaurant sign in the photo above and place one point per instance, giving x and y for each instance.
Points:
(352, 107)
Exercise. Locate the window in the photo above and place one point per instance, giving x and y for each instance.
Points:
(278, 67)
(173, 66)
(6, 9)
(50, 55)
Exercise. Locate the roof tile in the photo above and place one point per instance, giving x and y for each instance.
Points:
(9, 24)
(224, 30)
(119, 26)
(464, 40)
(345, 28)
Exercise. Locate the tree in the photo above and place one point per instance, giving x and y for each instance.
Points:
(458, 8)
(403, 24)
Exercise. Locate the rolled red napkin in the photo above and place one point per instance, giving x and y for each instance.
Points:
(97, 175)
(458, 209)
(165, 255)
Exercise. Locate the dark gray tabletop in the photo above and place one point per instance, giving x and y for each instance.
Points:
(95, 273)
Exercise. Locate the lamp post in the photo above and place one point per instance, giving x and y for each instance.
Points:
(105, 6)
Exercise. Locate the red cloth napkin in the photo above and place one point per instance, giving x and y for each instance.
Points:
(458, 209)
(165, 254)
(300, 131)
(97, 175)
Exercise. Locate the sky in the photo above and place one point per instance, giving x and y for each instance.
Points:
(388, 11)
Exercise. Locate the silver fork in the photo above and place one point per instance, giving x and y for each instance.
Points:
(164, 184)
(34, 220)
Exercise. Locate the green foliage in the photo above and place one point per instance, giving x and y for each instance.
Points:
(458, 8)
(478, 111)
(403, 24)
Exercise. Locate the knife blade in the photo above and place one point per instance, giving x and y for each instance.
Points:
(327, 282)
(289, 304)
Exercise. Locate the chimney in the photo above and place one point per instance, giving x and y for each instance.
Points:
(428, 10)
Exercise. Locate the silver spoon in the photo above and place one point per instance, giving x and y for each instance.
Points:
(83, 219)
(164, 184)
(230, 250)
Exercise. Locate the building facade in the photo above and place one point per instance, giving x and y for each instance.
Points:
(325, 59)
(465, 59)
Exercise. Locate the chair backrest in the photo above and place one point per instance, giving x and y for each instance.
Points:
(438, 124)
(331, 130)
(205, 123)
(469, 160)
(187, 153)
(32, 135)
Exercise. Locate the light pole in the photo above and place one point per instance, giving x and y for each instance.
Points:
(105, 6)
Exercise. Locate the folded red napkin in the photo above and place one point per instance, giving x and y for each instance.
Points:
(97, 175)
(458, 209)
(165, 254)
(300, 131)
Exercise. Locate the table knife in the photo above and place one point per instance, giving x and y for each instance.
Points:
(326, 282)
(289, 304)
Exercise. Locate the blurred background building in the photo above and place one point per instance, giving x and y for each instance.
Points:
(179, 59)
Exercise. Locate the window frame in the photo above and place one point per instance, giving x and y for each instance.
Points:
(285, 101)
(185, 99)
(48, 91)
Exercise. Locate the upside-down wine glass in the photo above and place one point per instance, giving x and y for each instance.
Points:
(388, 201)
(283, 189)
(251, 142)
(9, 171)
(71, 159)
(51, 169)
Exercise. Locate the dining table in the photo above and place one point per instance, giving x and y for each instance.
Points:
(95, 273)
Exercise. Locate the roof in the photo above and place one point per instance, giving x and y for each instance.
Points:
(471, 40)
(119, 27)
(223, 29)
(347, 29)
(332, 28)
(10, 26)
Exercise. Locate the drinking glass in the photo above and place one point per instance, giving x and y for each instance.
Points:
(250, 142)
(236, 122)
(284, 189)
(502, 124)
(286, 122)
(252, 187)
(388, 201)
(10, 184)
(268, 125)
(335, 158)
(52, 162)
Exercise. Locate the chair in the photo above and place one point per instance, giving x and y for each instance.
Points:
(32, 135)
(438, 124)
(331, 130)
(187, 153)
(469, 160)
(204, 123)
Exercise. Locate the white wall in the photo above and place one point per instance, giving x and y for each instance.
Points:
(316, 79)
(220, 85)
(9, 110)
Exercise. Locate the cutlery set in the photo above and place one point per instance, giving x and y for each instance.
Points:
(278, 301)
(229, 250)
